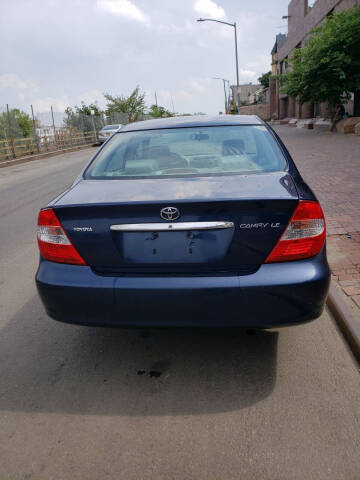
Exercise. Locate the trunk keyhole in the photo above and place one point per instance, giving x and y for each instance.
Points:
(190, 247)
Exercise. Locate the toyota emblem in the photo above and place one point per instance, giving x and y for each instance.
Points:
(169, 213)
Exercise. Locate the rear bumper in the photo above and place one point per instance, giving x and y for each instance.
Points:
(276, 295)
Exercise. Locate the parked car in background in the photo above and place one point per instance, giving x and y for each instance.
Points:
(107, 131)
(192, 221)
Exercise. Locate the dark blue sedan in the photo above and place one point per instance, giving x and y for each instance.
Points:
(194, 221)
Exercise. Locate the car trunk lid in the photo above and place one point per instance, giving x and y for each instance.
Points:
(254, 208)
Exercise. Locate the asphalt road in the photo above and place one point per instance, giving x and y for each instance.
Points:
(91, 403)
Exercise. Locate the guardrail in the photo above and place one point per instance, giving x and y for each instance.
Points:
(20, 147)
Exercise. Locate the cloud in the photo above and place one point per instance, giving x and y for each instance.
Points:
(90, 96)
(176, 28)
(44, 104)
(260, 63)
(209, 8)
(26, 90)
(11, 80)
(123, 8)
(60, 103)
(252, 64)
(199, 85)
(155, 44)
(247, 75)
(194, 88)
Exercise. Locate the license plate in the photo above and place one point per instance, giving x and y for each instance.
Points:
(175, 247)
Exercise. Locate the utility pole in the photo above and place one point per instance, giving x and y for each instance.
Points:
(226, 96)
(53, 123)
(10, 134)
(34, 125)
(156, 102)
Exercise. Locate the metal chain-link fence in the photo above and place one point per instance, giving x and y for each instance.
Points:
(27, 132)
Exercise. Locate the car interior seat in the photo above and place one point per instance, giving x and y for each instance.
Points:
(233, 146)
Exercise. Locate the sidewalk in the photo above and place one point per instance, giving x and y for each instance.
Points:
(330, 163)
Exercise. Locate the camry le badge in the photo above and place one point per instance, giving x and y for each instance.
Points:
(260, 225)
(169, 213)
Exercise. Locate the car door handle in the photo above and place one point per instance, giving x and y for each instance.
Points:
(166, 227)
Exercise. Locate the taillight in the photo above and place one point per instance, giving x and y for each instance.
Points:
(53, 242)
(304, 236)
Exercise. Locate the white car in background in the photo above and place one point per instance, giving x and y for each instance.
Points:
(107, 131)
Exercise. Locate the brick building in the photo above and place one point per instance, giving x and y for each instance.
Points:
(303, 16)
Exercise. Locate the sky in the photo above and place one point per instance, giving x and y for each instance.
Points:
(62, 52)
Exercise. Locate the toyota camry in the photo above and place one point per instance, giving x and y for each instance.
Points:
(187, 221)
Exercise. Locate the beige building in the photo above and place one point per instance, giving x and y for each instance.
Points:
(242, 93)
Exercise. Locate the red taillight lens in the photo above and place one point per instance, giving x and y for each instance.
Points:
(53, 242)
(304, 236)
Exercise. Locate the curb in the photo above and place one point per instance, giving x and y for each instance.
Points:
(348, 324)
(39, 156)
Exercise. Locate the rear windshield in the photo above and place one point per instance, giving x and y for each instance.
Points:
(111, 127)
(188, 151)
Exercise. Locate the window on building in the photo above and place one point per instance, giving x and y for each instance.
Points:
(309, 5)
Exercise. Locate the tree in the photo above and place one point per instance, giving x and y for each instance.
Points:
(21, 124)
(264, 79)
(24, 121)
(327, 68)
(80, 118)
(159, 112)
(86, 109)
(133, 106)
(72, 119)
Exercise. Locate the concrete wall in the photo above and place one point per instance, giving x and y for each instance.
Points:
(261, 110)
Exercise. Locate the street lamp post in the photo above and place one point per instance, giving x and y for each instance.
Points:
(226, 97)
(236, 48)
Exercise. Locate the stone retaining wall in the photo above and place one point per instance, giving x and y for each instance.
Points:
(262, 110)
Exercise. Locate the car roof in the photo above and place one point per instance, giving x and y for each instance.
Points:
(193, 121)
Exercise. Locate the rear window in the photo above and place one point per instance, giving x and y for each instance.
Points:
(110, 127)
(188, 151)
